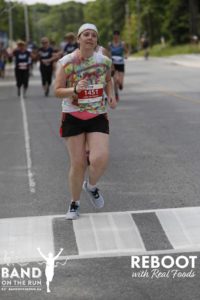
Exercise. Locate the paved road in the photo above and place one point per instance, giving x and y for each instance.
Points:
(151, 190)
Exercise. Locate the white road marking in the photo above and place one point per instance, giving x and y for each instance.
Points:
(129, 253)
(191, 224)
(154, 210)
(20, 238)
(182, 227)
(107, 234)
(31, 179)
(173, 229)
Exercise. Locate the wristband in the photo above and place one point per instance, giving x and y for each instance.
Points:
(75, 91)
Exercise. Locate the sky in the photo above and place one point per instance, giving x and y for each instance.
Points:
(49, 2)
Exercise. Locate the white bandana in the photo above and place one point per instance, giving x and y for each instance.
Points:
(86, 27)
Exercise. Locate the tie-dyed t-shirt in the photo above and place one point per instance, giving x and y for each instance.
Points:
(94, 70)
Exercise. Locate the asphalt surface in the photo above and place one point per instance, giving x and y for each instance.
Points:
(154, 165)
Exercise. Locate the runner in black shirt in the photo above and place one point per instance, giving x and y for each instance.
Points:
(71, 43)
(46, 57)
(22, 58)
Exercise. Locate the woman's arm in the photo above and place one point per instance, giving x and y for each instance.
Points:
(110, 91)
(54, 57)
(60, 88)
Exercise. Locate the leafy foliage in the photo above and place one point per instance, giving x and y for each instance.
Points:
(176, 20)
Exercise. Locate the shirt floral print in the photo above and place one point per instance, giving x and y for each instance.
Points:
(94, 69)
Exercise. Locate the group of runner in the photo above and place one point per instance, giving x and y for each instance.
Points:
(47, 54)
(88, 78)
(24, 58)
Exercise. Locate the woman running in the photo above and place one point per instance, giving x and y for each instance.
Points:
(22, 58)
(46, 57)
(84, 117)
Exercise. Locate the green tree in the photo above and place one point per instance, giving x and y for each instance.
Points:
(194, 17)
(55, 21)
(3, 16)
(175, 19)
(107, 15)
(93, 14)
(176, 25)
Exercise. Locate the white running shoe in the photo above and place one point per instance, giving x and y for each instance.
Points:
(73, 211)
(95, 197)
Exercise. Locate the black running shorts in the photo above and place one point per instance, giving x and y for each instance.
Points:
(71, 125)
(119, 68)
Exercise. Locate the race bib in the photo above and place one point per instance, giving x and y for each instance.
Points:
(93, 93)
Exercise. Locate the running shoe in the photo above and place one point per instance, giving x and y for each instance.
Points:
(95, 197)
(73, 211)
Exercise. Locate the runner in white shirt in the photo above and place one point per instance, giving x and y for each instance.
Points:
(84, 118)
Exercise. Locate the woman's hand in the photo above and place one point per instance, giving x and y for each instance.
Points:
(81, 85)
(112, 102)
